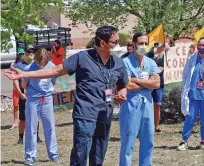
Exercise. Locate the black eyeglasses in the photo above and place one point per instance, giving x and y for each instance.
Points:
(143, 43)
(114, 42)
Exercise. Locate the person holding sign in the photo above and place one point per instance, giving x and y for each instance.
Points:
(137, 113)
(101, 79)
(157, 54)
(192, 97)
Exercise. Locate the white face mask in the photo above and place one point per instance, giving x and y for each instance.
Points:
(141, 50)
(116, 50)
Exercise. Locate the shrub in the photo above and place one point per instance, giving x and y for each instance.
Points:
(124, 38)
(171, 105)
(91, 43)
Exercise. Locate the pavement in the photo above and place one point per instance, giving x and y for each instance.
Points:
(6, 85)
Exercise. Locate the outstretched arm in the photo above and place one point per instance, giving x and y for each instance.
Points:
(56, 71)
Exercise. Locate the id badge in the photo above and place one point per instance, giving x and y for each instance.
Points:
(200, 84)
(108, 93)
(144, 75)
(43, 81)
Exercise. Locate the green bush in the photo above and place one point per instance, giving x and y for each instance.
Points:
(91, 43)
(171, 105)
(124, 38)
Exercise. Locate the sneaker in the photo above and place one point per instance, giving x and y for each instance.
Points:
(182, 146)
(28, 163)
(20, 141)
(39, 140)
(158, 131)
(201, 146)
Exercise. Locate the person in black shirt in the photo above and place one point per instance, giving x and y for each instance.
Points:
(129, 50)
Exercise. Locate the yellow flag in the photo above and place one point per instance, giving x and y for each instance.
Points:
(156, 36)
(198, 35)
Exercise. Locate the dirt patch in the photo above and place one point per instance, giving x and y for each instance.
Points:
(164, 151)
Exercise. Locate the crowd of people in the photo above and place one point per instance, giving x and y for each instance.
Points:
(134, 81)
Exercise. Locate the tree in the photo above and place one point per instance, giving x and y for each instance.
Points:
(178, 16)
(16, 14)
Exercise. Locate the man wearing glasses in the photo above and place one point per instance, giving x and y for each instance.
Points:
(97, 75)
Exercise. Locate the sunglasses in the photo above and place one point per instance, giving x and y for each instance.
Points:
(114, 42)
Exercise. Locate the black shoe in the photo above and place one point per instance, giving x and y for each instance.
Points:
(20, 141)
(158, 130)
(39, 140)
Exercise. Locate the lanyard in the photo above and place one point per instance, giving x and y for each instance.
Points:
(107, 78)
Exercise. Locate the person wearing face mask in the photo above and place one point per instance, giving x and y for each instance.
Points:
(101, 79)
(192, 97)
(58, 53)
(137, 113)
(28, 59)
(39, 103)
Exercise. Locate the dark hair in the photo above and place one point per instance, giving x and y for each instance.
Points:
(104, 33)
(58, 42)
(138, 34)
(19, 57)
(129, 44)
(200, 39)
(42, 57)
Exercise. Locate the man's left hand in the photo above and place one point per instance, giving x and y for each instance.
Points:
(120, 97)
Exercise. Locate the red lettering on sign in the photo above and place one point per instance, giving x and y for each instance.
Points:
(182, 62)
(177, 51)
(175, 63)
(183, 50)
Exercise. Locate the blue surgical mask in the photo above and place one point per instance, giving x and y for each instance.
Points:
(201, 50)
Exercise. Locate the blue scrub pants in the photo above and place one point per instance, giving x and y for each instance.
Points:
(195, 106)
(35, 108)
(136, 119)
(90, 140)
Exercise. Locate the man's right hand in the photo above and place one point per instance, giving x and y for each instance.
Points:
(14, 74)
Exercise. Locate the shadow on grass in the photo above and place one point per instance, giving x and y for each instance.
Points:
(114, 139)
(173, 147)
(12, 161)
(64, 124)
(6, 127)
(44, 161)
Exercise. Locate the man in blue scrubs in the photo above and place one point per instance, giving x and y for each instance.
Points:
(137, 113)
(97, 75)
(193, 96)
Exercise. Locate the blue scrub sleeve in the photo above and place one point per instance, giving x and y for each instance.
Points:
(26, 69)
(154, 68)
(70, 64)
(123, 81)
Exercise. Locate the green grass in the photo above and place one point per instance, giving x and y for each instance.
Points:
(164, 151)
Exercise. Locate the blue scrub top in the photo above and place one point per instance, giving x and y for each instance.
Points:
(90, 100)
(39, 87)
(195, 93)
(133, 69)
